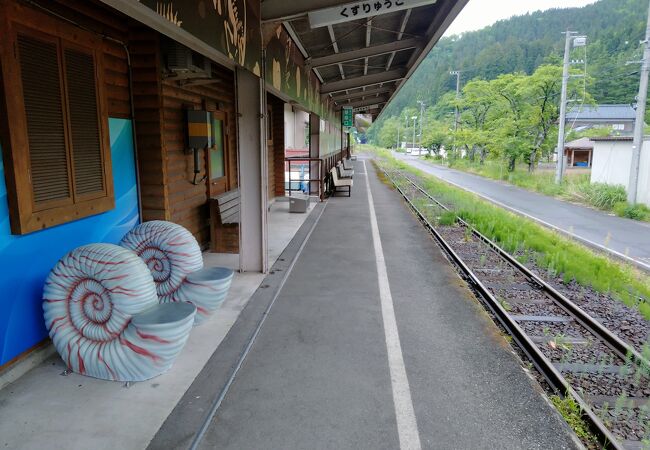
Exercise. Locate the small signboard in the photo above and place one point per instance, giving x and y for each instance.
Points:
(347, 117)
(579, 41)
(360, 10)
(365, 108)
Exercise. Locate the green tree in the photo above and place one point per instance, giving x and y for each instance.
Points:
(388, 133)
(477, 102)
(435, 136)
(522, 44)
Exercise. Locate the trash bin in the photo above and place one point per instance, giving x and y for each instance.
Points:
(298, 203)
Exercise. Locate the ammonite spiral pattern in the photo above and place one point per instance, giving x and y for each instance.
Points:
(92, 302)
(174, 258)
(170, 252)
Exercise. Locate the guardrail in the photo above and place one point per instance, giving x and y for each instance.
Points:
(304, 184)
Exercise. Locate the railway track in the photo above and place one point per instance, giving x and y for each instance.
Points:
(574, 352)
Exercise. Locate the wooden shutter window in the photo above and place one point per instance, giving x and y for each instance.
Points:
(39, 68)
(53, 120)
(84, 124)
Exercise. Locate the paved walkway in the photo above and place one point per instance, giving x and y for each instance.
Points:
(373, 342)
(626, 238)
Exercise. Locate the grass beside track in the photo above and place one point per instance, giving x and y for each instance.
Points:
(552, 252)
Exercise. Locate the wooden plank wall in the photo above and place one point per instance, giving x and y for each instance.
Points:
(188, 204)
(270, 170)
(276, 150)
(166, 171)
(144, 44)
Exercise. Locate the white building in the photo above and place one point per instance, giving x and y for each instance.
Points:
(612, 157)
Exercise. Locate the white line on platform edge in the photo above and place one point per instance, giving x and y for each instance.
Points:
(198, 437)
(407, 427)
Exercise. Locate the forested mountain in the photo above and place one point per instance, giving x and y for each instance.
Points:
(522, 43)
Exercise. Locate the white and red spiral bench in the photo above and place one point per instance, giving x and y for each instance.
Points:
(176, 263)
(124, 313)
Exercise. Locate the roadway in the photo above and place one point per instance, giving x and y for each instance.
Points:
(625, 238)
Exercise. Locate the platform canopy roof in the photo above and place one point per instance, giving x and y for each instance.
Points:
(363, 51)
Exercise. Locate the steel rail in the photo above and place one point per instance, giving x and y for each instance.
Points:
(556, 380)
(622, 348)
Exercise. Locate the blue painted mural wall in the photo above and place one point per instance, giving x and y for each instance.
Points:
(26, 260)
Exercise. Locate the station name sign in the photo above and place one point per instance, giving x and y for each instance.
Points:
(365, 108)
(347, 117)
(360, 10)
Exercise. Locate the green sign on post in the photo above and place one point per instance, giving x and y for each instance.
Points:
(347, 117)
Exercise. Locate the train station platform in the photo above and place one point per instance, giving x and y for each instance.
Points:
(361, 336)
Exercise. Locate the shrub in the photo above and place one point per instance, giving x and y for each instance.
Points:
(636, 212)
(599, 195)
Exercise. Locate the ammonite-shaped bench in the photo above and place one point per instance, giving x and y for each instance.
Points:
(176, 263)
(102, 313)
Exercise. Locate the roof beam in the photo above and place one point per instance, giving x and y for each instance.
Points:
(367, 102)
(279, 10)
(445, 16)
(402, 27)
(361, 81)
(335, 46)
(366, 93)
(368, 33)
(374, 50)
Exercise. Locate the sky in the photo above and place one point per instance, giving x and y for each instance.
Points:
(478, 14)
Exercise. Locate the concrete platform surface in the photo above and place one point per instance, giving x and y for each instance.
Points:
(43, 409)
(626, 238)
(325, 371)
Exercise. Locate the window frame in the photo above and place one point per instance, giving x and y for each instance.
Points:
(269, 124)
(218, 186)
(25, 215)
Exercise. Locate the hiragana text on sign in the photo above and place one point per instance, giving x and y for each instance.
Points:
(361, 9)
(367, 7)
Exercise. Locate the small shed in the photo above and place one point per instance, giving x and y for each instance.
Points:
(578, 153)
(612, 160)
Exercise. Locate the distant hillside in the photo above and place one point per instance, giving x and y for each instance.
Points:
(614, 29)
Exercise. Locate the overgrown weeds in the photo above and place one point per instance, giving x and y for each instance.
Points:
(572, 413)
(551, 252)
(600, 195)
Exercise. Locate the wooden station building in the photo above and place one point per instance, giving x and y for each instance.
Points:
(114, 112)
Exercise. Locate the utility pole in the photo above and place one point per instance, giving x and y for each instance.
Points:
(559, 172)
(397, 146)
(457, 73)
(414, 119)
(637, 143)
(421, 115)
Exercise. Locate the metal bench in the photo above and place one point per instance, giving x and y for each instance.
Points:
(340, 182)
(343, 171)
